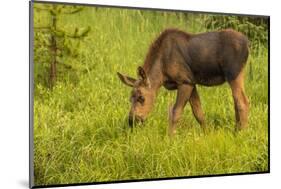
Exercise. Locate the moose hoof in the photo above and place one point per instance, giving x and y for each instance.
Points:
(172, 133)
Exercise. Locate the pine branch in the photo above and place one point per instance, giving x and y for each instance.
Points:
(42, 9)
(73, 11)
(79, 33)
(42, 27)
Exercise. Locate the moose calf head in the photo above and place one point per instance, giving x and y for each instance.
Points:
(142, 96)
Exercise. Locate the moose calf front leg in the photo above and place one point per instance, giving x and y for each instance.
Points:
(183, 95)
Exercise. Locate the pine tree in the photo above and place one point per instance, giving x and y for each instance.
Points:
(52, 42)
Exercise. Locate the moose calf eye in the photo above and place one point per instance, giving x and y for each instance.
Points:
(141, 99)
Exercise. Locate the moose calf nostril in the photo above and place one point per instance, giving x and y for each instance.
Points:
(135, 120)
(130, 121)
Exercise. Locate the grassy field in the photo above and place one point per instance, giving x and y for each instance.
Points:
(80, 126)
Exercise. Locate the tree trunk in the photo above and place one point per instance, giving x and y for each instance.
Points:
(53, 66)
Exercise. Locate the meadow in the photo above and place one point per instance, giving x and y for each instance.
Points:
(81, 131)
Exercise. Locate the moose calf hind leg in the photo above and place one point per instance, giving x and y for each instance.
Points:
(241, 109)
(241, 102)
(196, 107)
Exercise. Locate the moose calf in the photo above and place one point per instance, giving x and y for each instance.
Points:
(179, 61)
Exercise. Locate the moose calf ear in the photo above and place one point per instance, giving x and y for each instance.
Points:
(143, 76)
(126, 80)
(141, 73)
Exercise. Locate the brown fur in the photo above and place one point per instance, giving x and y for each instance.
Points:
(241, 102)
(179, 61)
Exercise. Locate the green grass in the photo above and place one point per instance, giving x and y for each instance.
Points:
(80, 128)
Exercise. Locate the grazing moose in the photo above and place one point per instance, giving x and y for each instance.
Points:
(178, 61)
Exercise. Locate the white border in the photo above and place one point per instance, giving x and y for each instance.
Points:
(14, 97)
